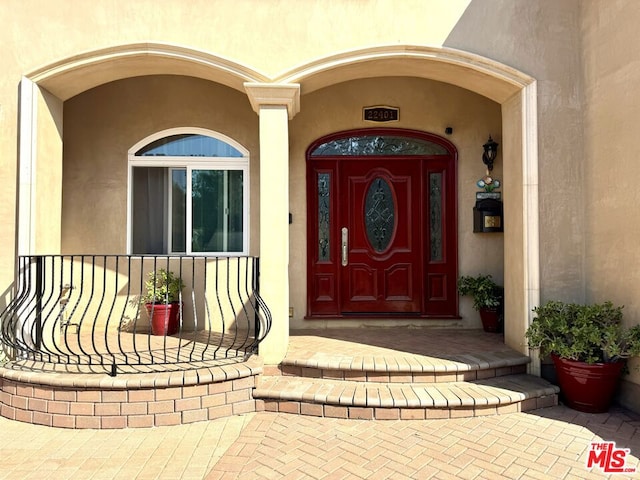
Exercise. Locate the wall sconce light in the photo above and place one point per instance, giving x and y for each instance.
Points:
(490, 153)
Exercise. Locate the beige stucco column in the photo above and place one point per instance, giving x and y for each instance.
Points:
(276, 105)
(40, 173)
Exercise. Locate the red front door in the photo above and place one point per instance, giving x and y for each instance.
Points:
(382, 225)
(381, 247)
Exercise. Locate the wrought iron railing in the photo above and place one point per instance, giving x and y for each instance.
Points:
(87, 313)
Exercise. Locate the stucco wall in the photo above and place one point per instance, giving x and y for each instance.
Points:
(102, 124)
(612, 170)
(424, 105)
(267, 38)
(509, 31)
(542, 38)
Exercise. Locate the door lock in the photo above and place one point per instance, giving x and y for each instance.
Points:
(345, 246)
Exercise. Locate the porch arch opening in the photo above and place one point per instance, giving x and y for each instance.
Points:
(516, 92)
(43, 92)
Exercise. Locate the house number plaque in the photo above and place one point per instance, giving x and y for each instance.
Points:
(381, 114)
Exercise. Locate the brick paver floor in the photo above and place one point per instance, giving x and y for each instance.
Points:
(549, 443)
(186, 452)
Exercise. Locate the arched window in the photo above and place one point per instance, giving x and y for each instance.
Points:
(188, 194)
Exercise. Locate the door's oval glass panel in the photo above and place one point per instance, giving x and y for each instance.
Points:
(379, 214)
(378, 145)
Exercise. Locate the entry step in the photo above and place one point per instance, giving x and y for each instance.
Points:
(481, 394)
(402, 369)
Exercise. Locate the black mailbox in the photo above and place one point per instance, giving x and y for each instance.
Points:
(487, 216)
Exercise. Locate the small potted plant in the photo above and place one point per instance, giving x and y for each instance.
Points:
(162, 301)
(487, 299)
(589, 346)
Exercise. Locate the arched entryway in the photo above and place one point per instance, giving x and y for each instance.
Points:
(277, 100)
(382, 230)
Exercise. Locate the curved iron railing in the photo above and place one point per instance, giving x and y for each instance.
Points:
(86, 313)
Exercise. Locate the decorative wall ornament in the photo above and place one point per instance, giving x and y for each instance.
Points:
(488, 212)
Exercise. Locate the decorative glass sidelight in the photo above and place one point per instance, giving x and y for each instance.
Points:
(379, 214)
(435, 215)
(378, 145)
(324, 204)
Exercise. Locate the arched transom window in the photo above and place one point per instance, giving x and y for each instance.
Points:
(188, 194)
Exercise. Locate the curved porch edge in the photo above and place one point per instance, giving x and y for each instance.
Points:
(95, 401)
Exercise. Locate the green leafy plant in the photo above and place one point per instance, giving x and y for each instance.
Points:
(585, 333)
(162, 287)
(485, 292)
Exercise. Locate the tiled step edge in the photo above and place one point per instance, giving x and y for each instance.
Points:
(407, 372)
(410, 363)
(344, 399)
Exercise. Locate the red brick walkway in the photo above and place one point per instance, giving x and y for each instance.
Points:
(544, 444)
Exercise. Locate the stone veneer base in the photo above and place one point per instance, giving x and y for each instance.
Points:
(129, 400)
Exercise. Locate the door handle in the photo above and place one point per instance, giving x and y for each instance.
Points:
(345, 246)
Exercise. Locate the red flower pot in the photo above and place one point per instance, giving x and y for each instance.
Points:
(164, 317)
(587, 387)
(490, 319)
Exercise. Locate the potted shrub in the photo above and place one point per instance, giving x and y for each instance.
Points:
(162, 301)
(589, 347)
(487, 299)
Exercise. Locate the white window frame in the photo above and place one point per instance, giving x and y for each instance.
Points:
(189, 164)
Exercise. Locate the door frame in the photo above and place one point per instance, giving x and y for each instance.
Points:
(323, 277)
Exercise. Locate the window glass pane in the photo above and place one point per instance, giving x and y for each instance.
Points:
(217, 215)
(324, 203)
(236, 211)
(148, 217)
(178, 210)
(188, 145)
(378, 145)
(435, 215)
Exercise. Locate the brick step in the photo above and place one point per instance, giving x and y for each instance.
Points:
(420, 376)
(377, 400)
(402, 369)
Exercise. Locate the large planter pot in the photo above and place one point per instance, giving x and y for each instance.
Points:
(491, 321)
(587, 387)
(164, 317)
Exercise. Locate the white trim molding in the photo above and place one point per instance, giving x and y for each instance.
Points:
(261, 94)
(530, 213)
(27, 194)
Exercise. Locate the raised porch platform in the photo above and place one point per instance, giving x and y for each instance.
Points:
(365, 373)
(86, 399)
(83, 353)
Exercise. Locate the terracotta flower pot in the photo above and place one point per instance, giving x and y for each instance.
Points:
(164, 317)
(490, 319)
(587, 387)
